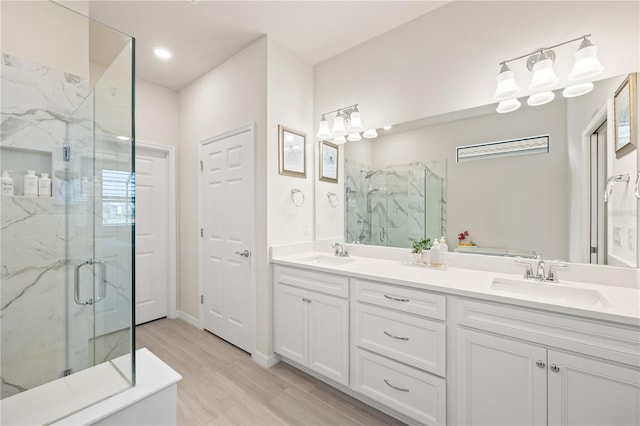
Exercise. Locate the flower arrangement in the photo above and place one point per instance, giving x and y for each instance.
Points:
(462, 239)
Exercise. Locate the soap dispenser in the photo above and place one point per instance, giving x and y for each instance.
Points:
(444, 247)
(7, 183)
(44, 185)
(31, 184)
(435, 254)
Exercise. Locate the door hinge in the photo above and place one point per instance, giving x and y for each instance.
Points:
(201, 299)
(201, 232)
(201, 166)
(594, 250)
(66, 153)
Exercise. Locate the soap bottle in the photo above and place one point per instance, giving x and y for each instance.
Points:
(31, 184)
(44, 185)
(444, 247)
(435, 254)
(7, 183)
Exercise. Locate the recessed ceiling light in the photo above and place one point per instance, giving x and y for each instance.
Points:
(387, 127)
(162, 53)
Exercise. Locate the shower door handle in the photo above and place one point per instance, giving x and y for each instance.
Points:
(76, 282)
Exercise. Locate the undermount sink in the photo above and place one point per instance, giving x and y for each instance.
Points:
(328, 260)
(550, 292)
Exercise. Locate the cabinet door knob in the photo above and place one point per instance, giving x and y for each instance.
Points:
(555, 368)
(540, 363)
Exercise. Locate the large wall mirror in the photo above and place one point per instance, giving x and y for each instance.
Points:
(407, 183)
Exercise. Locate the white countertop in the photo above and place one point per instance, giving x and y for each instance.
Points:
(623, 302)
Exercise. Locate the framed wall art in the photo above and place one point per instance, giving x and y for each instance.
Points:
(328, 162)
(292, 152)
(624, 111)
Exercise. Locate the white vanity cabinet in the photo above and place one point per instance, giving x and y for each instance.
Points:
(399, 349)
(311, 321)
(503, 380)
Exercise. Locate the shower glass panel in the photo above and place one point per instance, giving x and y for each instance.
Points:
(396, 205)
(66, 290)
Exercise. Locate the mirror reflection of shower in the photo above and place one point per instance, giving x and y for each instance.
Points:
(395, 205)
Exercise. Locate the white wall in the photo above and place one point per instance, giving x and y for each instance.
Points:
(66, 50)
(289, 103)
(229, 96)
(267, 84)
(447, 60)
(496, 199)
(156, 113)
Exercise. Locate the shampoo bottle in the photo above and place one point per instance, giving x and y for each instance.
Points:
(435, 256)
(44, 185)
(7, 183)
(31, 184)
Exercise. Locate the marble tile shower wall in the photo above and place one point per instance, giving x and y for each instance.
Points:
(37, 106)
(396, 205)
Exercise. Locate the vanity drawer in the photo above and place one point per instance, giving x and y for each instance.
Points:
(416, 341)
(596, 338)
(411, 392)
(403, 299)
(317, 281)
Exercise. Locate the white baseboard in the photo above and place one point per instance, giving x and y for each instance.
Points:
(189, 319)
(265, 361)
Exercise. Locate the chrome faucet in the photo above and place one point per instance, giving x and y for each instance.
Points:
(541, 274)
(340, 250)
(540, 271)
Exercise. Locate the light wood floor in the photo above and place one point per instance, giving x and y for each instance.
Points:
(221, 385)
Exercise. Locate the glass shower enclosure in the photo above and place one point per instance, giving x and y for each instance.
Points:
(395, 205)
(67, 254)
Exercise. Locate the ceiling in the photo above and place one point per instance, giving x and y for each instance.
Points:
(203, 35)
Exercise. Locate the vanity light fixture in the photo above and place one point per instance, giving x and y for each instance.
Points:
(340, 140)
(540, 63)
(370, 134)
(541, 98)
(347, 121)
(508, 106)
(354, 137)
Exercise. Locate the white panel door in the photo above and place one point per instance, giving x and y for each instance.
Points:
(329, 336)
(499, 381)
(291, 328)
(152, 262)
(227, 229)
(585, 391)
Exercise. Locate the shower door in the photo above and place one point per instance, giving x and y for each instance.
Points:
(99, 197)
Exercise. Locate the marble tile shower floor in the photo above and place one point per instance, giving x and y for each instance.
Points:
(221, 385)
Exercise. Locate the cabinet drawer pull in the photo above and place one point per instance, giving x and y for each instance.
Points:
(395, 387)
(540, 363)
(396, 299)
(396, 337)
(555, 368)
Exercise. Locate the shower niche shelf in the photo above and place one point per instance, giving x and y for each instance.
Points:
(19, 160)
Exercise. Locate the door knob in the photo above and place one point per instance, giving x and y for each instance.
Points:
(540, 363)
(243, 253)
